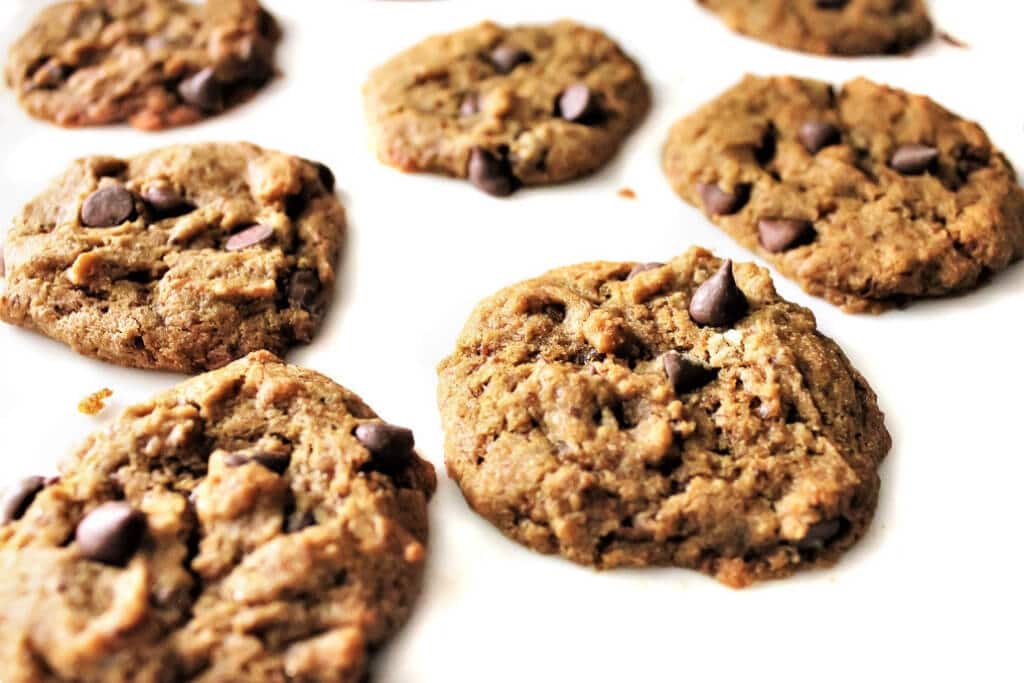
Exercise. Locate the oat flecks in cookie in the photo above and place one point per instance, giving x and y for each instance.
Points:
(586, 413)
(183, 258)
(153, 63)
(870, 197)
(506, 106)
(228, 527)
(830, 27)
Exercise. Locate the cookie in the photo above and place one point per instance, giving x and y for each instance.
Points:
(183, 258)
(868, 197)
(506, 107)
(255, 523)
(829, 27)
(153, 63)
(626, 414)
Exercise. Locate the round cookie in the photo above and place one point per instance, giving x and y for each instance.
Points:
(662, 414)
(868, 197)
(505, 107)
(829, 27)
(183, 258)
(153, 63)
(236, 527)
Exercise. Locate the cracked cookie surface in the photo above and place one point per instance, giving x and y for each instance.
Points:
(586, 413)
(505, 92)
(868, 197)
(269, 543)
(153, 63)
(836, 27)
(183, 258)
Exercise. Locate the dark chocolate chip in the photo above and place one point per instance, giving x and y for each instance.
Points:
(684, 374)
(780, 234)
(821, 533)
(18, 497)
(831, 4)
(111, 533)
(470, 104)
(249, 237)
(303, 289)
(203, 90)
(166, 201)
(765, 150)
(577, 103)
(718, 301)
(718, 202)
(643, 268)
(386, 441)
(326, 175)
(914, 159)
(817, 135)
(490, 173)
(107, 207)
(507, 57)
(299, 522)
(272, 461)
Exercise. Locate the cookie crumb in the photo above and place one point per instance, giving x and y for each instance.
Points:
(627, 193)
(95, 403)
(952, 40)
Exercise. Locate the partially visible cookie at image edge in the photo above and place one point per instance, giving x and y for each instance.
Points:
(258, 522)
(506, 106)
(868, 196)
(182, 258)
(829, 27)
(679, 413)
(152, 63)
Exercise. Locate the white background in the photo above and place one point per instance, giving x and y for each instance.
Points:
(934, 590)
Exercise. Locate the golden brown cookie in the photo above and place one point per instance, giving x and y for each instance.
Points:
(153, 63)
(255, 523)
(183, 258)
(505, 107)
(868, 197)
(682, 414)
(829, 27)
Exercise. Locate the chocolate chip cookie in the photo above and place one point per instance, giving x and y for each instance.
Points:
(829, 27)
(153, 63)
(867, 197)
(506, 107)
(183, 258)
(255, 523)
(682, 414)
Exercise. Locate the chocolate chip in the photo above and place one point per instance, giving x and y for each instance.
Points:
(326, 175)
(386, 441)
(831, 4)
(821, 533)
(303, 289)
(166, 201)
(643, 268)
(577, 103)
(18, 497)
(817, 135)
(507, 57)
(111, 533)
(203, 90)
(299, 522)
(107, 207)
(779, 234)
(718, 202)
(718, 301)
(490, 173)
(470, 104)
(249, 237)
(272, 461)
(914, 159)
(50, 76)
(684, 374)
